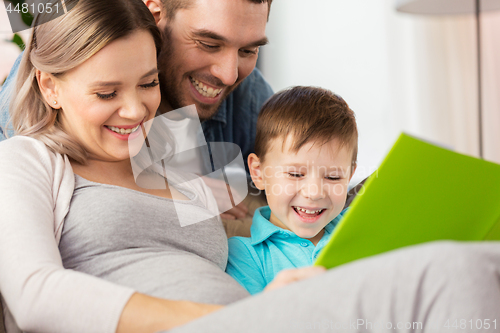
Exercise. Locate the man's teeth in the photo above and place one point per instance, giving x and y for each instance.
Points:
(123, 130)
(309, 211)
(204, 90)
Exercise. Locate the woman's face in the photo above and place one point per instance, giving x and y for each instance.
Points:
(105, 100)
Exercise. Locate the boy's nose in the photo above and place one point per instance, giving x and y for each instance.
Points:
(313, 190)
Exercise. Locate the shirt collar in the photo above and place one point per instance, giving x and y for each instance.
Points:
(221, 115)
(333, 223)
(262, 228)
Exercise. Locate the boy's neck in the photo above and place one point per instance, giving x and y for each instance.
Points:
(315, 240)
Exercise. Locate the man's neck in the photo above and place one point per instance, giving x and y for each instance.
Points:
(163, 108)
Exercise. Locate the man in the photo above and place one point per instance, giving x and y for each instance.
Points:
(208, 59)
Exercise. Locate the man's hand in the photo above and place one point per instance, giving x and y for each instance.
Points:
(221, 190)
(288, 276)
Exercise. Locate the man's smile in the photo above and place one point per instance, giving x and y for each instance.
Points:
(204, 89)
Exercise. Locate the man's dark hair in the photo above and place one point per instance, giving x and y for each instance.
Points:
(172, 6)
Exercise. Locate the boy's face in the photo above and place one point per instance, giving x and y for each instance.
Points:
(305, 190)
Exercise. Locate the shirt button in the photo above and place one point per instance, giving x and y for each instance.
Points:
(285, 235)
(304, 244)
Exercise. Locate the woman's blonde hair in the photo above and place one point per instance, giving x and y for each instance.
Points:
(62, 44)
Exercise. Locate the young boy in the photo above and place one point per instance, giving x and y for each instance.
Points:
(305, 156)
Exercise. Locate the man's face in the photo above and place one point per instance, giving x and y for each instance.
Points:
(209, 49)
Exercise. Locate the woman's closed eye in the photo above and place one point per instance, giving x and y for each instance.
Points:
(113, 94)
(106, 96)
(152, 84)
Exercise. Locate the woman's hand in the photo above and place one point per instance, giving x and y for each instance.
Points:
(288, 276)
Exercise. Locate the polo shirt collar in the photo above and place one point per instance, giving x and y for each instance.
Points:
(262, 228)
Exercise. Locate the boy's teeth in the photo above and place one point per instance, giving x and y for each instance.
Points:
(122, 130)
(309, 211)
(204, 90)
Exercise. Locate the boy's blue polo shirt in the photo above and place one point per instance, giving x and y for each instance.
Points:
(255, 261)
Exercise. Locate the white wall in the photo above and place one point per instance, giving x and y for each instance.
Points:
(339, 45)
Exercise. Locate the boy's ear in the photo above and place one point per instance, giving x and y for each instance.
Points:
(255, 168)
(48, 87)
(156, 8)
(353, 170)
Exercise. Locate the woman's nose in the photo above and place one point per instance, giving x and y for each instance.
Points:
(133, 108)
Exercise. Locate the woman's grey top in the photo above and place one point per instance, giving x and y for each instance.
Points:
(135, 239)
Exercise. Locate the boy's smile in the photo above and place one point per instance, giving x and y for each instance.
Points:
(307, 189)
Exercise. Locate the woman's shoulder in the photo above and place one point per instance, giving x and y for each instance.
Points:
(23, 149)
(21, 155)
(27, 164)
(23, 145)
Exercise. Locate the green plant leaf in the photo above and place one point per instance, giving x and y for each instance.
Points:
(27, 18)
(18, 41)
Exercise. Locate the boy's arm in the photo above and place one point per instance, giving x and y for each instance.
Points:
(244, 265)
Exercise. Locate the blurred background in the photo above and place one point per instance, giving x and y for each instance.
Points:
(398, 72)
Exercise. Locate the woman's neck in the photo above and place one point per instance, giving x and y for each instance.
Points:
(112, 173)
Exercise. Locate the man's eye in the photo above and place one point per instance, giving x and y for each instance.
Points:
(152, 84)
(249, 52)
(209, 47)
(106, 96)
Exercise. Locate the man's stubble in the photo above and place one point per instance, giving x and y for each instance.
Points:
(172, 94)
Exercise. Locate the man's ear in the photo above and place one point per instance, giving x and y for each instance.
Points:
(256, 171)
(48, 87)
(156, 8)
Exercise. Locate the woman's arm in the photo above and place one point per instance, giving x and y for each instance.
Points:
(145, 314)
(41, 295)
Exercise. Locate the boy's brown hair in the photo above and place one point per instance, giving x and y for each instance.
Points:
(308, 114)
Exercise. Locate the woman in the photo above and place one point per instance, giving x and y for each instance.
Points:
(88, 82)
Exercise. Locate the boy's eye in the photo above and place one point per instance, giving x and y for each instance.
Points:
(152, 84)
(333, 178)
(106, 96)
(295, 174)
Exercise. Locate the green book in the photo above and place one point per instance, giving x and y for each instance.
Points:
(420, 193)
